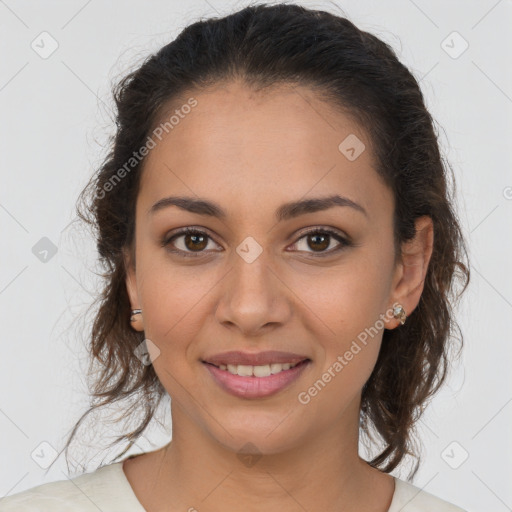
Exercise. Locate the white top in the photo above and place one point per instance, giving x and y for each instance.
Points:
(107, 489)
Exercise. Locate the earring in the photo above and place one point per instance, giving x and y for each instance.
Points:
(399, 312)
(136, 320)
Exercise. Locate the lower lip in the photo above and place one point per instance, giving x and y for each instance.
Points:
(255, 387)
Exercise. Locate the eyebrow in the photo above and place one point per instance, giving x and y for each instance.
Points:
(284, 212)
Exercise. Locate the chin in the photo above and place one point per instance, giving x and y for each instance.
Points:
(259, 433)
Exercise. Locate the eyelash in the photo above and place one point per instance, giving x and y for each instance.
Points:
(193, 231)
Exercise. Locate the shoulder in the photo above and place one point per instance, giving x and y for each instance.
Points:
(409, 498)
(104, 489)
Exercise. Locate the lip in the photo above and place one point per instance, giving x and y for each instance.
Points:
(255, 387)
(254, 358)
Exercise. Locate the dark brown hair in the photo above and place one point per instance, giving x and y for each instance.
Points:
(266, 45)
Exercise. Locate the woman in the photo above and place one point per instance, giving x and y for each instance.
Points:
(280, 252)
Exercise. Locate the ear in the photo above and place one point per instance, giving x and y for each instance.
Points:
(136, 321)
(131, 283)
(410, 275)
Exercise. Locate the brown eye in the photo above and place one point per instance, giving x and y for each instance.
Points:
(188, 242)
(319, 240)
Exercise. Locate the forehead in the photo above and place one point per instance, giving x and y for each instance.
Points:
(241, 146)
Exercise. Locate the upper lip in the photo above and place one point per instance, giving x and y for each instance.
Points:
(254, 358)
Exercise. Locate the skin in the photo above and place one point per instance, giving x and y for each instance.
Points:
(250, 152)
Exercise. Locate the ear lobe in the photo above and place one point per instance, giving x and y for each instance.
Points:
(416, 254)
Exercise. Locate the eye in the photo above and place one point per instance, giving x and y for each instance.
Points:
(319, 239)
(193, 244)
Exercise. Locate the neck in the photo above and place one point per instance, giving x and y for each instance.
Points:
(194, 471)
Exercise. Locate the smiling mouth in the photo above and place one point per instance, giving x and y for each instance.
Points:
(245, 370)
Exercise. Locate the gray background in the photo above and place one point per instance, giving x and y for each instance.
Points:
(56, 118)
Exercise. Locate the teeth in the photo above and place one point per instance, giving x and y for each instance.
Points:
(276, 368)
(261, 371)
(245, 370)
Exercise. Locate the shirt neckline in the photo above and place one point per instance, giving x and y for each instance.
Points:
(117, 470)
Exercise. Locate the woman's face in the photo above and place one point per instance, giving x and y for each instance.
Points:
(254, 280)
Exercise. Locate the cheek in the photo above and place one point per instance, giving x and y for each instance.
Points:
(175, 301)
(175, 306)
(348, 349)
(343, 300)
(345, 304)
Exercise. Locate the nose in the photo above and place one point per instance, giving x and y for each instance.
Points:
(252, 297)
